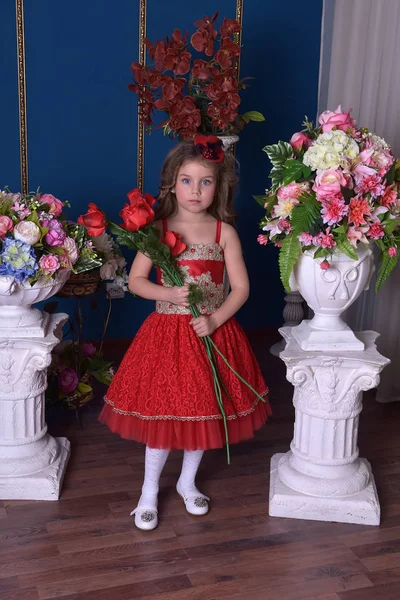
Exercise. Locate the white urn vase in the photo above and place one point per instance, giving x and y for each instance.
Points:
(32, 463)
(330, 292)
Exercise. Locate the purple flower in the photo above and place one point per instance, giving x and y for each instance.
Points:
(56, 234)
(68, 380)
(88, 349)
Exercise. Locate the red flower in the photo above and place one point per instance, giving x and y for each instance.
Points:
(138, 213)
(202, 70)
(203, 40)
(229, 27)
(94, 220)
(210, 147)
(174, 242)
(228, 51)
(135, 196)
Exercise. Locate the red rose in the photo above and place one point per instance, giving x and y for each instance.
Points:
(138, 213)
(94, 220)
(174, 242)
(135, 196)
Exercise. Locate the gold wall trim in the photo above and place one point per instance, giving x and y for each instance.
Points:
(142, 60)
(23, 138)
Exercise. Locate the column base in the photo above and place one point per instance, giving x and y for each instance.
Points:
(43, 485)
(362, 508)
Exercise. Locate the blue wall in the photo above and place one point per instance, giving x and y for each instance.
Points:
(82, 128)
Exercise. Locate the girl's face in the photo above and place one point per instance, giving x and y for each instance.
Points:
(195, 186)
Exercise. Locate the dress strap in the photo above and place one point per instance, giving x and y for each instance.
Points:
(218, 233)
(164, 226)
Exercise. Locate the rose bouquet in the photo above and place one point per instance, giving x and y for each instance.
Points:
(36, 240)
(199, 93)
(334, 187)
(138, 233)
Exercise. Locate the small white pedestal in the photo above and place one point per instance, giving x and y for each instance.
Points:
(321, 477)
(32, 463)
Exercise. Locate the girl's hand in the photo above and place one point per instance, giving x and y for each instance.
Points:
(179, 295)
(204, 325)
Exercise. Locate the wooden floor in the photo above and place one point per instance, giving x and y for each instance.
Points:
(86, 547)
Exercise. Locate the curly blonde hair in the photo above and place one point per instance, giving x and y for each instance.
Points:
(222, 206)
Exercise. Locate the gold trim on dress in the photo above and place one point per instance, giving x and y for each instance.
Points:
(194, 418)
(23, 138)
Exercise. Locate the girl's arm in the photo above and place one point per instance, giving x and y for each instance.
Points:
(140, 285)
(239, 282)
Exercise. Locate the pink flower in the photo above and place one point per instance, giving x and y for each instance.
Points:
(6, 225)
(370, 185)
(285, 225)
(68, 380)
(389, 196)
(49, 263)
(333, 210)
(65, 262)
(262, 239)
(358, 209)
(376, 231)
(22, 210)
(341, 120)
(325, 240)
(324, 265)
(88, 349)
(56, 235)
(328, 183)
(290, 192)
(71, 249)
(306, 239)
(55, 205)
(278, 244)
(300, 139)
(392, 251)
(357, 234)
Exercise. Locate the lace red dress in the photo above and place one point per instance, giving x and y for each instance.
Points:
(163, 392)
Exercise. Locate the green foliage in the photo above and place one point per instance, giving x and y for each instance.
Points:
(253, 115)
(345, 247)
(295, 170)
(305, 213)
(387, 265)
(279, 153)
(288, 255)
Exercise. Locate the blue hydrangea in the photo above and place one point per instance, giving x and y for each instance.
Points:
(18, 260)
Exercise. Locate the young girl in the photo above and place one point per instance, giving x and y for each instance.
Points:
(163, 393)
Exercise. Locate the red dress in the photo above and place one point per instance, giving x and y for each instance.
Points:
(163, 392)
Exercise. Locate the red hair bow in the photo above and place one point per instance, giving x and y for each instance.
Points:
(210, 147)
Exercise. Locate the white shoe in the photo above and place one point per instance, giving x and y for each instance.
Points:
(146, 518)
(196, 504)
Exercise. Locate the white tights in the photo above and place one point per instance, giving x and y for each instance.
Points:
(154, 463)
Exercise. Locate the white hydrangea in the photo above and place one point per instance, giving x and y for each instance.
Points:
(377, 142)
(331, 150)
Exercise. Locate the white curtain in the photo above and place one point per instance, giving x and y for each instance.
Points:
(360, 69)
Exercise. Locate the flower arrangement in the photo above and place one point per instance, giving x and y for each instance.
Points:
(138, 233)
(199, 93)
(36, 240)
(74, 366)
(334, 187)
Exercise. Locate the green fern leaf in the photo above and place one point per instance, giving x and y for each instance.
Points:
(305, 213)
(387, 266)
(346, 248)
(288, 255)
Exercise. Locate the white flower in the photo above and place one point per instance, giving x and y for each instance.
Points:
(28, 232)
(284, 208)
(273, 228)
(72, 249)
(109, 269)
(330, 151)
(121, 262)
(104, 244)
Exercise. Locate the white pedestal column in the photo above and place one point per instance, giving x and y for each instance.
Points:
(322, 477)
(32, 463)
